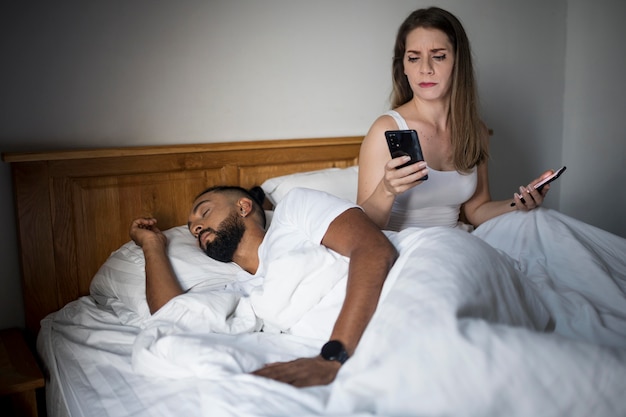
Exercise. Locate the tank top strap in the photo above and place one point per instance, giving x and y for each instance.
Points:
(399, 119)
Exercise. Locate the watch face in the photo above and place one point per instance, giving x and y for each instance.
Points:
(334, 351)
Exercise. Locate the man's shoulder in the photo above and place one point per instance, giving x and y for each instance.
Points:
(301, 195)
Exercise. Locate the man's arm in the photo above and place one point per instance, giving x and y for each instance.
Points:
(354, 235)
(161, 282)
(371, 254)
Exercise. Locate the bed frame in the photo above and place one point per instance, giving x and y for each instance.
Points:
(75, 207)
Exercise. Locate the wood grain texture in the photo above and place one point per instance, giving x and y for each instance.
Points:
(75, 207)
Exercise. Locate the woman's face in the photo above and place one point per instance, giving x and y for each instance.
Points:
(428, 63)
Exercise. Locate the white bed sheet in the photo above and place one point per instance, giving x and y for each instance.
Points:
(456, 333)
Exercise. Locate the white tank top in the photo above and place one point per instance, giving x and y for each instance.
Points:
(436, 201)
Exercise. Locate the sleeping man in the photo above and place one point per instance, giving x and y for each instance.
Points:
(230, 227)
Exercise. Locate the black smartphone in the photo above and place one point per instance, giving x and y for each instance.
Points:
(405, 142)
(547, 180)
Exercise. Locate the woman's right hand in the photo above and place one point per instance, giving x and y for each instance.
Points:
(398, 180)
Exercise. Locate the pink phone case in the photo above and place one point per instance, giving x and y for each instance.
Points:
(547, 180)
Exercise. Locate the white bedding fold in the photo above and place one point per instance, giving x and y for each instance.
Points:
(458, 331)
(295, 285)
(474, 283)
(578, 270)
(444, 345)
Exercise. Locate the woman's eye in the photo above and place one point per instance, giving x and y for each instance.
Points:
(412, 59)
(439, 57)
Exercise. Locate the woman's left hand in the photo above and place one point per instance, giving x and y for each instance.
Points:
(528, 197)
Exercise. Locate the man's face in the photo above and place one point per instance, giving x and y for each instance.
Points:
(225, 240)
(215, 222)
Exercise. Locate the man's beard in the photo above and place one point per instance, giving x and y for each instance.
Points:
(227, 237)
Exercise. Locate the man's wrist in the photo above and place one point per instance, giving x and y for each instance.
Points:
(154, 247)
(334, 350)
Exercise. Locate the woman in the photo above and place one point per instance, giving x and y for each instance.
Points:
(434, 93)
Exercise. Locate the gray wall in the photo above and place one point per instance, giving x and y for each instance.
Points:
(594, 114)
(79, 74)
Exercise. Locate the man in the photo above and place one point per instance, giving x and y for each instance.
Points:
(230, 226)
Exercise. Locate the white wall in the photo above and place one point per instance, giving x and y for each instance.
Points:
(79, 74)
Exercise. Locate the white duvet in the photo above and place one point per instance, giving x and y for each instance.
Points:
(460, 330)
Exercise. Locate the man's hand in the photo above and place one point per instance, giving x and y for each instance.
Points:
(372, 255)
(143, 231)
(303, 372)
(161, 282)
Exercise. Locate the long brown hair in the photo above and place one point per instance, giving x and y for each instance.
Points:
(465, 126)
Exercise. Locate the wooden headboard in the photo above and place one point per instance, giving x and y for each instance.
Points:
(75, 207)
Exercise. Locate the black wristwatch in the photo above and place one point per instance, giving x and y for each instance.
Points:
(334, 351)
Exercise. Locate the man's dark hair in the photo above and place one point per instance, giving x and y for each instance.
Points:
(256, 194)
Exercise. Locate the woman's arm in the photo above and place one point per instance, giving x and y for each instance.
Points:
(480, 208)
(379, 180)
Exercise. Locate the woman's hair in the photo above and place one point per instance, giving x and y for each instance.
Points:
(465, 126)
(256, 194)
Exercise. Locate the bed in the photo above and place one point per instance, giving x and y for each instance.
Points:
(464, 326)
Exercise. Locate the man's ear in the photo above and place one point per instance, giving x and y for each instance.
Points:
(245, 206)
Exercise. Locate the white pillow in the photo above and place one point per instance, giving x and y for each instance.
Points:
(341, 182)
(122, 276)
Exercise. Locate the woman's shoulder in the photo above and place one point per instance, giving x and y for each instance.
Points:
(396, 118)
(382, 123)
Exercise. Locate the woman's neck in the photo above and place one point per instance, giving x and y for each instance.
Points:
(434, 113)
